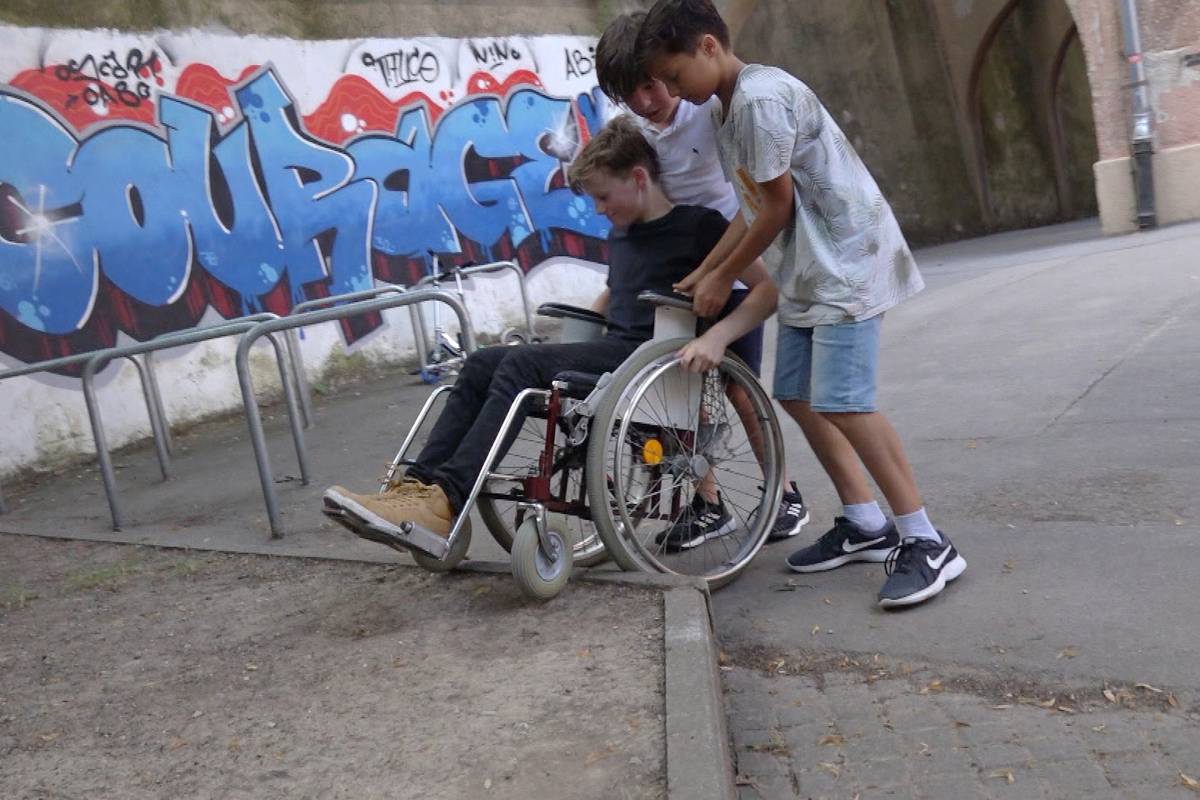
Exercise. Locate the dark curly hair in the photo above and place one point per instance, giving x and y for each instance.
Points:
(676, 26)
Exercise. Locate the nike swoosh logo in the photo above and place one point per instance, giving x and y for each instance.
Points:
(854, 548)
(936, 563)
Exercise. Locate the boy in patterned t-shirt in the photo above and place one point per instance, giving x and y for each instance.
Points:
(845, 263)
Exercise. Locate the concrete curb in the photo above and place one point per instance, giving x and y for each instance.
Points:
(699, 762)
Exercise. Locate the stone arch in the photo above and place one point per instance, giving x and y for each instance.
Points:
(1022, 145)
(1073, 128)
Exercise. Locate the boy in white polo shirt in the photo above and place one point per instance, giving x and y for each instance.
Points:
(684, 138)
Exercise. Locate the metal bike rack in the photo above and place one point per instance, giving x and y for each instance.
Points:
(419, 331)
(152, 376)
(148, 393)
(100, 359)
(254, 420)
(293, 341)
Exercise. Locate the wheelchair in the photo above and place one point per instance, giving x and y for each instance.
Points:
(604, 466)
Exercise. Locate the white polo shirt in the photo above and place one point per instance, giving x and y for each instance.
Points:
(688, 159)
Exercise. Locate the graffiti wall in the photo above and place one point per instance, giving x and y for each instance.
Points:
(149, 182)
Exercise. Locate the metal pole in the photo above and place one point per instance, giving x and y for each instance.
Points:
(292, 341)
(160, 448)
(152, 382)
(289, 399)
(1142, 134)
(106, 468)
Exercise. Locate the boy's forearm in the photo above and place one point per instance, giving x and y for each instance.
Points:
(758, 237)
(759, 304)
(726, 244)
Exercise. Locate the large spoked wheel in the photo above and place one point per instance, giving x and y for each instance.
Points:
(541, 574)
(458, 551)
(501, 513)
(661, 437)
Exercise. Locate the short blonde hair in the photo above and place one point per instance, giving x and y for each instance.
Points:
(616, 149)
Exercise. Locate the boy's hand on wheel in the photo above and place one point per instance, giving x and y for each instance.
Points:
(702, 354)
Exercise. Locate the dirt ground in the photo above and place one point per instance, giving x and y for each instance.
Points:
(132, 672)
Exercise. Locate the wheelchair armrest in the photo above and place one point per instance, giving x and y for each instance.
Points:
(668, 299)
(564, 311)
(576, 384)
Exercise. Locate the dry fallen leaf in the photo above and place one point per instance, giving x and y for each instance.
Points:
(1048, 703)
(1147, 687)
(827, 601)
(745, 780)
(832, 769)
(598, 755)
(1068, 652)
(959, 724)
(932, 686)
(1171, 701)
(1109, 696)
(1007, 774)
(1189, 782)
(1099, 728)
(835, 739)
(816, 629)
(924, 751)
(1001, 707)
(1009, 566)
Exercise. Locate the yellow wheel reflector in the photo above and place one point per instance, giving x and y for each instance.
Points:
(652, 452)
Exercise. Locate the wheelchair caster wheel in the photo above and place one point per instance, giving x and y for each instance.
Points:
(458, 552)
(541, 575)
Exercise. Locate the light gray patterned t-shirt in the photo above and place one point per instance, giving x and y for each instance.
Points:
(845, 258)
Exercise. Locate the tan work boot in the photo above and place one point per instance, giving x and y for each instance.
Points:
(402, 485)
(427, 506)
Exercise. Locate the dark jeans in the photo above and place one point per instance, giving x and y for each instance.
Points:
(490, 379)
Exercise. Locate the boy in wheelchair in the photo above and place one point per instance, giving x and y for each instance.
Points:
(653, 244)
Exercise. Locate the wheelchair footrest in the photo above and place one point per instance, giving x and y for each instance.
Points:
(405, 537)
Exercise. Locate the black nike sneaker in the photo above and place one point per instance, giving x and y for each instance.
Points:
(791, 517)
(699, 522)
(843, 543)
(918, 570)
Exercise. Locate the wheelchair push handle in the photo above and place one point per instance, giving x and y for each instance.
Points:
(667, 299)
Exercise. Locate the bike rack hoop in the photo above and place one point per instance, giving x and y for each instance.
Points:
(245, 380)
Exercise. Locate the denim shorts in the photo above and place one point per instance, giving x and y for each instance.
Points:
(831, 367)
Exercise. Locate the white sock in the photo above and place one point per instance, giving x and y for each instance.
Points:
(916, 526)
(867, 516)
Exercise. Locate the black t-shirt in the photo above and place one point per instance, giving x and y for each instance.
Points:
(654, 255)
